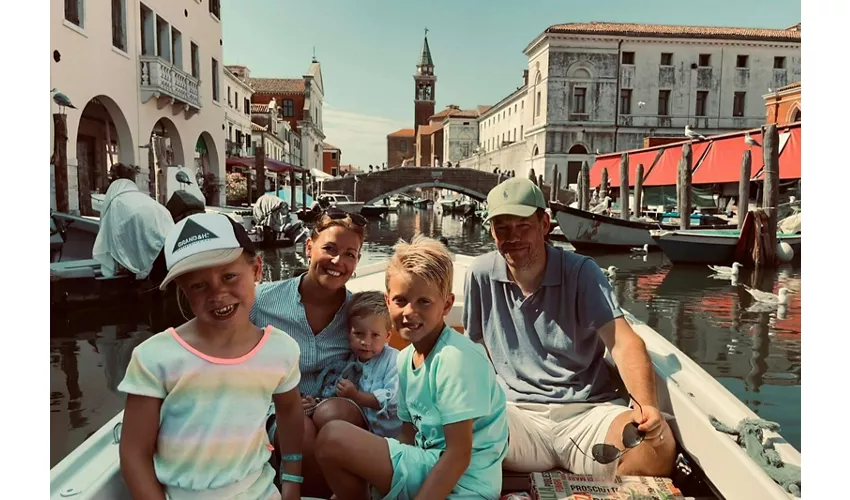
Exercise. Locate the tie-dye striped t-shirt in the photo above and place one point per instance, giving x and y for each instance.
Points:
(212, 421)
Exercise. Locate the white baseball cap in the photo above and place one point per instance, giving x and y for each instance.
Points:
(203, 240)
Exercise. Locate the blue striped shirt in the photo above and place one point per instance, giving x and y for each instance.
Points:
(279, 304)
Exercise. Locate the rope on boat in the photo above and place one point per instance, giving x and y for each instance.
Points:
(750, 437)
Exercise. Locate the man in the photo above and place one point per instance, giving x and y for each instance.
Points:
(545, 316)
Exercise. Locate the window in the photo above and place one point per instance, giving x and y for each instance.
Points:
(215, 89)
(628, 57)
(288, 110)
(229, 101)
(148, 32)
(705, 60)
(74, 12)
(537, 109)
(119, 27)
(333, 156)
(738, 104)
(247, 106)
(176, 48)
(520, 131)
(742, 61)
(163, 44)
(196, 60)
(702, 97)
(626, 101)
(579, 94)
(236, 100)
(663, 102)
(779, 62)
(666, 58)
(215, 8)
(402, 145)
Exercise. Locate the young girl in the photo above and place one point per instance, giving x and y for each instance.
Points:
(198, 395)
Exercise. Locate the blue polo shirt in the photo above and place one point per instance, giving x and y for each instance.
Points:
(544, 347)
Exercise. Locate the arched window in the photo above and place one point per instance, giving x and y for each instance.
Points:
(578, 149)
(537, 81)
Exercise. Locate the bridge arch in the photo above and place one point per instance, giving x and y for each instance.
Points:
(476, 195)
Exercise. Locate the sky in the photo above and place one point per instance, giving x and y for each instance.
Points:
(368, 49)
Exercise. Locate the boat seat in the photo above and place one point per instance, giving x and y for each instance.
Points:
(87, 268)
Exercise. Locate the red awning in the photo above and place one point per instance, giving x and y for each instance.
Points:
(666, 169)
(722, 163)
(790, 161)
(271, 165)
(612, 163)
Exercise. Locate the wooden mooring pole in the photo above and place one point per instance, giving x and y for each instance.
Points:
(744, 187)
(624, 186)
(584, 194)
(293, 203)
(260, 172)
(603, 188)
(556, 184)
(60, 167)
(304, 189)
(770, 146)
(683, 194)
(638, 206)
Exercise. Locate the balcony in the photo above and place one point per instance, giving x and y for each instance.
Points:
(171, 86)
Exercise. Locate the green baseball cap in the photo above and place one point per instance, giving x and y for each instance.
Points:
(515, 196)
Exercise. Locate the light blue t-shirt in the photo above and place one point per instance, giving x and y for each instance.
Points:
(380, 377)
(455, 383)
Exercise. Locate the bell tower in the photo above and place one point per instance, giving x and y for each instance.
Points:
(424, 84)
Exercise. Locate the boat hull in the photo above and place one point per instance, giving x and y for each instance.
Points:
(708, 247)
(589, 231)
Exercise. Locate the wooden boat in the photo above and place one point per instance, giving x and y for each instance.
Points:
(708, 246)
(590, 231)
(685, 391)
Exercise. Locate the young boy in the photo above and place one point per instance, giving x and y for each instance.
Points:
(370, 376)
(454, 432)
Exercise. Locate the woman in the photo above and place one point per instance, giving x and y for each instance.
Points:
(311, 309)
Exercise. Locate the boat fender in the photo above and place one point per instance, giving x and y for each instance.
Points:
(750, 437)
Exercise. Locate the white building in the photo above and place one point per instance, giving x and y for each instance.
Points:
(266, 126)
(607, 86)
(237, 115)
(136, 71)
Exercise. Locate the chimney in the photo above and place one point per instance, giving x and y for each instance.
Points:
(525, 77)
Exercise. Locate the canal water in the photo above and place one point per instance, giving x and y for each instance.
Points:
(756, 355)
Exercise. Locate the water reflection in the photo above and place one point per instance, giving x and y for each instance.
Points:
(754, 353)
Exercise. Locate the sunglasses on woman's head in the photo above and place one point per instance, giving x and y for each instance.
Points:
(338, 214)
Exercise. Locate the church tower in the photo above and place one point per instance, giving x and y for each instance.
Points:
(424, 84)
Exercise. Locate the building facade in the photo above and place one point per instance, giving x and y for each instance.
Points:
(597, 88)
(331, 157)
(157, 100)
(783, 105)
(237, 115)
(299, 101)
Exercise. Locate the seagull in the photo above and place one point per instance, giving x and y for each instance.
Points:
(183, 178)
(644, 249)
(641, 104)
(769, 298)
(610, 271)
(690, 134)
(750, 141)
(763, 307)
(62, 100)
(726, 269)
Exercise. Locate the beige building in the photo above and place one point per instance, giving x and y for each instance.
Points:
(138, 72)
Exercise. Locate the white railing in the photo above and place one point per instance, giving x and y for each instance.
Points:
(161, 78)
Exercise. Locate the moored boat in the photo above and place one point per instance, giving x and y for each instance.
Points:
(591, 231)
(685, 391)
(709, 246)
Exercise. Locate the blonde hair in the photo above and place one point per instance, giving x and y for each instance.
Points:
(426, 258)
(371, 303)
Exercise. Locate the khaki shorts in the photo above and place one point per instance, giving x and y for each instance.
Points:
(540, 435)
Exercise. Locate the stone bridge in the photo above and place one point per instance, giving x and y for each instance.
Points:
(373, 186)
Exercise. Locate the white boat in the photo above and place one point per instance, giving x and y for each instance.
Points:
(685, 391)
(344, 202)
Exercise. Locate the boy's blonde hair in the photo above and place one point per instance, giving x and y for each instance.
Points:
(371, 303)
(426, 258)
